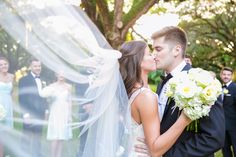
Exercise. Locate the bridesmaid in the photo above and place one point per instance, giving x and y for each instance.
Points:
(60, 116)
(6, 85)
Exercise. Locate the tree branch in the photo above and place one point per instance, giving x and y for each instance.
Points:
(139, 8)
(133, 30)
(90, 9)
(104, 14)
(118, 12)
(215, 28)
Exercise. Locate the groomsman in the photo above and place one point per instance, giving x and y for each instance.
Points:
(188, 59)
(229, 104)
(33, 108)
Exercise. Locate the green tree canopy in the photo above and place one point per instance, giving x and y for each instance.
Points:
(211, 28)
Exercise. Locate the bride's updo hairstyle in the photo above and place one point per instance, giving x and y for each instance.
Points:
(130, 63)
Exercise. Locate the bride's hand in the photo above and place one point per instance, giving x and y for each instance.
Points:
(142, 148)
(185, 119)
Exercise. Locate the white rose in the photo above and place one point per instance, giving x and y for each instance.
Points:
(217, 85)
(179, 102)
(181, 77)
(196, 101)
(187, 89)
(204, 78)
(205, 110)
(191, 113)
(209, 94)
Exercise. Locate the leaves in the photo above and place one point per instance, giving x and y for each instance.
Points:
(212, 38)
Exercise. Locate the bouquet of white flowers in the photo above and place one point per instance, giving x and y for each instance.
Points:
(194, 92)
(2, 112)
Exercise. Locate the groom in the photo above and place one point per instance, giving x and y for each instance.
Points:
(169, 45)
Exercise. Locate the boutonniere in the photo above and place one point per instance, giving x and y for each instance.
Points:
(225, 91)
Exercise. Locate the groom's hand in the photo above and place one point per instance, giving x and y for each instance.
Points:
(142, 148)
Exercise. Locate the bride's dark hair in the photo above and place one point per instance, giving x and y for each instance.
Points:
(130, 63)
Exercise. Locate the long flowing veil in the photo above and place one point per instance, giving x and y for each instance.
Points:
(63, 38)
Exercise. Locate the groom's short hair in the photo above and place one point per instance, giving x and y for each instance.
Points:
(172, 33)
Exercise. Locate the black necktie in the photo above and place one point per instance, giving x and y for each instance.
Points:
(164, 80)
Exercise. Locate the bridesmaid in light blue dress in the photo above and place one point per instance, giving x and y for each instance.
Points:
(6, 102)
(6, 84)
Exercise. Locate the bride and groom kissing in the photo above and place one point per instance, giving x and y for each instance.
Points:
(165, 134)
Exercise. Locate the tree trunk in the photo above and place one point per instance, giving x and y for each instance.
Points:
(115, 24)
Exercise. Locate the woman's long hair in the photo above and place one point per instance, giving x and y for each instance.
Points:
(130, 63)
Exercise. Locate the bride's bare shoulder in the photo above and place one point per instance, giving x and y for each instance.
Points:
(146, 97)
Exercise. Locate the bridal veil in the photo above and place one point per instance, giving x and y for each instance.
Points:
(64, 39)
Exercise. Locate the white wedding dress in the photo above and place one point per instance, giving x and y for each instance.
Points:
(136, 129)
(58, 121)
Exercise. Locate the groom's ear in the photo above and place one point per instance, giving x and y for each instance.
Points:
(177, 50)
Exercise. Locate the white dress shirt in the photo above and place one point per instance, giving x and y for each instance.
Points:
(227, 84)
(162, 98)
(223, 94)
(38, 82)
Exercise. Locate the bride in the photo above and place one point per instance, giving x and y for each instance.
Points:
(135, 64)
(63, 37)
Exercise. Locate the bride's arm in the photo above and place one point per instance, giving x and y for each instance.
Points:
(146, 104)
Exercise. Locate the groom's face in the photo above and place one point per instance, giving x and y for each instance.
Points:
(164, 55)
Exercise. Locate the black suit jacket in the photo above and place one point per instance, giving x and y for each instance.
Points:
(29, 97)
(210, 136)
(229, 105)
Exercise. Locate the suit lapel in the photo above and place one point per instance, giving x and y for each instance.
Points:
(230, 86)
(33, 84)
(169, 105)
(186, 67)
(159, 87)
